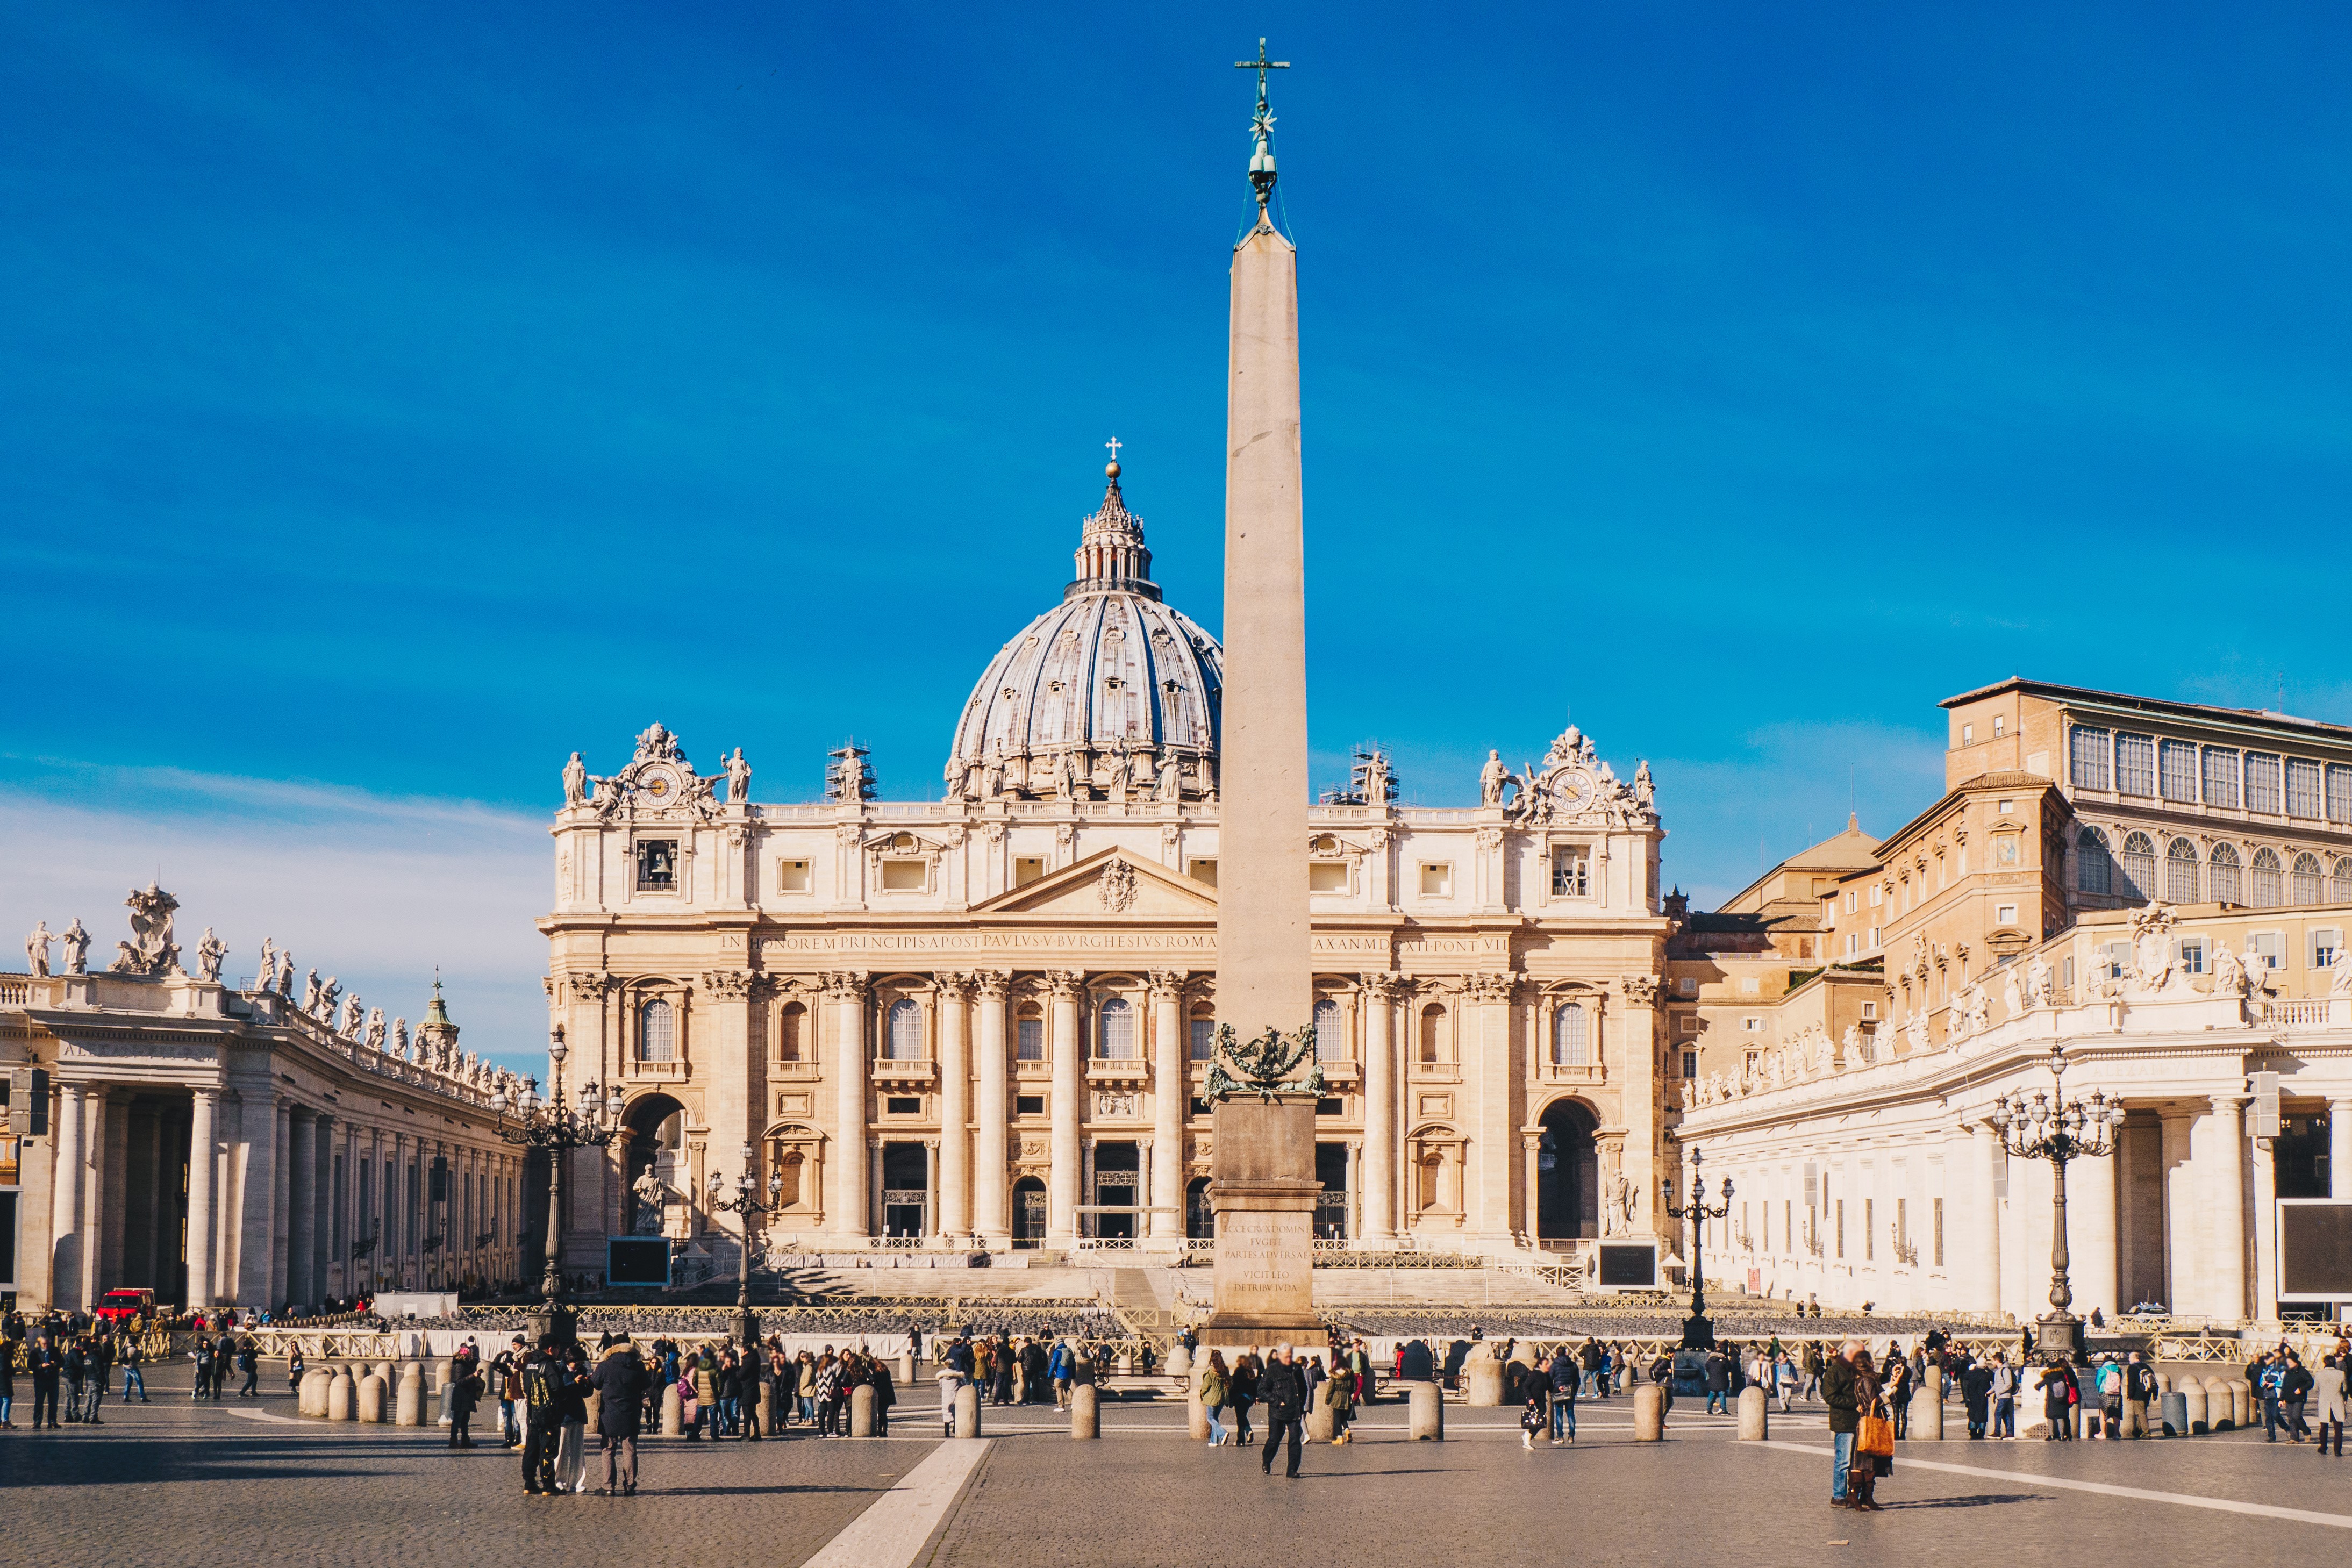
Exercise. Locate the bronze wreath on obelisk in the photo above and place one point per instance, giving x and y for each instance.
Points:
(1264, 1066)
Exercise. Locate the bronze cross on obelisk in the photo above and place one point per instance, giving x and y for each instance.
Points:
(1261, 65)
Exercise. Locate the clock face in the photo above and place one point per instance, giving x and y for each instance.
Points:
(658, 785)
(1574, 789)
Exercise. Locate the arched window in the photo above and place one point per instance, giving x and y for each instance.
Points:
(792, 1033)
(1569, 1047)
(2094, 864)
(2181, 870)
(2342, 893)
(2228, 878)
(2307, 880)
(1433, 1032)
(906, 1030)
(2269, 879)
(1204, 1033)
(656, 1035)
(1330, 1045)
(2139, 867)
(1118, 1032)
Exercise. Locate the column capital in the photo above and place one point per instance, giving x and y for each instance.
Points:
(2228, 1104)
(954, 985)
(846, 985)
(991, 984)
(1167, 985)
(1064, 982)
(1383, 985)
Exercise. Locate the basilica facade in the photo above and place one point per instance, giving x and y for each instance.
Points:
(985, 1021)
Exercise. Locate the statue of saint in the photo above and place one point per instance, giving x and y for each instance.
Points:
(310, 993)
(652, 1195)
(76, 942)
(209, 953)
(1491, 780)
(2228, 972)
(739, 779)
(1171, 777)
(575, 781)
(1645, 791)
(37, 949)
(2339, 974)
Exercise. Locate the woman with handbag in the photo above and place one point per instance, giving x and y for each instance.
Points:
(1873, 1447)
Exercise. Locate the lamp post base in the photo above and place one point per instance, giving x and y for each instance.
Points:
(1699, 1331)
(552, 1322)
(747, 1327)
(2058, 1334)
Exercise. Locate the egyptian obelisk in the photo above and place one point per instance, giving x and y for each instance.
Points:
(1263, 1160)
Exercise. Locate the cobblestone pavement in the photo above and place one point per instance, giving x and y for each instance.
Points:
(247, 1483)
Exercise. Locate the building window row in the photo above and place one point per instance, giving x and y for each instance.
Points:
(2183, 772)
(2266, 881)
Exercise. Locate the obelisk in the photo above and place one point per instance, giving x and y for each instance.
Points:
(1262, 1186)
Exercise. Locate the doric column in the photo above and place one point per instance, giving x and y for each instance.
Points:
(1377, 1203)
(2339, 1148)
(931, 1185)
(1498, 1128)
(2183, 1294)
(65, 1262)
(989, 1164)
(848, 1184)
(1641, 1107)
(2218, 1147)
(1062, 1179)
(1172, 1093)
(201, 1138)
(282, 1209)
(2091, 1235)
(1982, 1292)
(330, 1206)
(951, 1214)
(302, 1200)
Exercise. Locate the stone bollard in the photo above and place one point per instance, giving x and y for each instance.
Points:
(372, 1398)
(2219, 1411)
(2192, 1392)
(1927, 1417)
(1180, 1361)
(1321, 1423)
(2242, 1402)
(673, 1423)
(1196, 1415)
(2172, 1415)
(595, 1403)
(861, 1411)
(310, 1399)
(906, 1369)
(443, 1370)
(1649, 1412)
(408, 1399)
(1482, 1379)
(1085, 1420)
(342, 1397)
(1754, 1419)
(2135, 1419)
(1426, 1412)
(967, 1411)
(389, 1373)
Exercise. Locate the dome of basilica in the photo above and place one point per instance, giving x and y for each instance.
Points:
(1110, 694)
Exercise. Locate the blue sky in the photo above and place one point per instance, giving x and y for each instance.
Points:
(395, 398)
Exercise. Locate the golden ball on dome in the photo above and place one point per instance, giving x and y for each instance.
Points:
(1110, 470)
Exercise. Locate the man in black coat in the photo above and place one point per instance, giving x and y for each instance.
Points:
(1283, 1386)
(542, 1398)
(621, 1382)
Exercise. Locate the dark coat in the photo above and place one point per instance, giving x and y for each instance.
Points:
(1420, 1366)
(621, 1380)
(1284, 1389)
(1841, 1392)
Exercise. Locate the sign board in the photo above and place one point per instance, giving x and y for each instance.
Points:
(2315, 1248)
(1628, 1265)
(639, 1261)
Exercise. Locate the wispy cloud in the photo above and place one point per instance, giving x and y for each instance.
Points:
(378, 890)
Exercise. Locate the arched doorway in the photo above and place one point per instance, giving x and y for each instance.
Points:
(1028, 1212)
(656, 1126)
(1200, 1218)
(1568, 1175)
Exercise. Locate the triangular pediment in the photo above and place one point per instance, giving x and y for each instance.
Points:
(1111, 884)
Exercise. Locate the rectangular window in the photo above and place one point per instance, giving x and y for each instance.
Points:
(2192, 955)
(1877, 893)
(1027, 869)
(1571, 873)
(2339, 793)
(2269, 948)
(1203, 870)
(902, 1106)
(2262, 783)
(1204, 1038)
(2135, 764)
(903, 876)
(2177, 768)
(657, 865)
(1327, 876)
(1874, 936)
(1850, 900)
(1787, 1226)
(1028, 1104)
(1752, 1025)
(2303, 788)
(1853, 943)
(1437, 880)
(2326, 942)
(2222, 777)
(1939, 1233)
(2004, 913)
(1029, 1039)
(1869, 1012)
(1690, 985)
(2086, 756)
(791, 876)
(1690, 1064)
(2113, 957)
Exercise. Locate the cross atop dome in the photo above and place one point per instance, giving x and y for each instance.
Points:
(1111, 556)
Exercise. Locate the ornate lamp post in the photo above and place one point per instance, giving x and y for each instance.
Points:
(746, 1202)
(559, 1129)
(2054, 1128)
(1697, 1332)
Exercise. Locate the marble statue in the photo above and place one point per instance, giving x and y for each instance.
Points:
(285, 974)
(1620, 1202)
(1916, 1031)
(2228, 972)
(739, 779)
(652, 1195)
(400, 1036)
(37, 949)
(328, 993)
(1172, 779)
(150, 951)
(2012, 997)
(76, 942)
(354, 1018)
(266, 975)
(575, 781)
(1644, 792)
(2339, 974)
(209, 953)
(373, 1038)
(1980, 1007)
(2039, 983)
(1122, 773)
(1491, 780)
(1380, 780)
(310, 993)
(1853, 1042)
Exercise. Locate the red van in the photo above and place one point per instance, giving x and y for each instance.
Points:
(126, 1306)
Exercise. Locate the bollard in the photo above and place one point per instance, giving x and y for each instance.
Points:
(1927, 1417)
(1180, 1361)
(673, 1413)
(342, 1397)
(1425, 1413)
(2192, 1394)
(372, 1393)
(967, 1411)
(447, 1398)
(1482, 1379)
(1086, 1422)
(408, 1399)
(2220, 1412)
(595, 1403)
(2172, 1415)
(2242, 1402)
(906, 1369)
(1196, 1415)
(1755, 1419)
(1321, 1423)
(388, 1372)
(443, 1371)
(861, 1411)
(310, 1399)
(1649, 1412)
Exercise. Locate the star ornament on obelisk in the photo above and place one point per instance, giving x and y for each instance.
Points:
(1263, 1188)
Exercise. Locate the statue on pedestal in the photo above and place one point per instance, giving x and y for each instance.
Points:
(653, 1196)
(739, 779)
(575, 781)
(76, 946)
(36, 949)
(209, 953)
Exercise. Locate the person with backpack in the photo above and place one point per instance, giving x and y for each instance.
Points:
(542, 1397)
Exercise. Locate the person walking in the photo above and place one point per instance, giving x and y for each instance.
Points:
(1337, 1393)
(2140, 1388)
(1976, 1393)
(886, 1393)
(1813, 1365)
(1283, 1386)
(2294, 1389)
(1840, 1390)
(1896, 1387)
(134, 1375)
(1058, 1369)
(1567, 1377)
(1244, 1389)
(1216, 1389)
(621, 1382)
(2329, 1395)
(2059, 1393)
(828, 1395)
(1870, 1399)
(248, 1363)
(541, 1412)
(1718, 1383)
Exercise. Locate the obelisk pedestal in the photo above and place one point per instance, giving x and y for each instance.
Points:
(1263, 1288)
